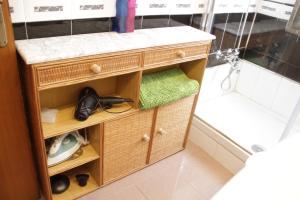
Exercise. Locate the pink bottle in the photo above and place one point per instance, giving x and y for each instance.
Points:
(131, 16)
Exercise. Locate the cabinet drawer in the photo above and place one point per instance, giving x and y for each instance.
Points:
(175, 55)
(87, 69)
(126, 143)
(171, 126)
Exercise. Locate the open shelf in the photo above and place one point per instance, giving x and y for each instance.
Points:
(74, 191)
(89, 154)
(66, 122)
(193, 69)
(65, 99)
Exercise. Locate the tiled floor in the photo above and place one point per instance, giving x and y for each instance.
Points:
(187, 175)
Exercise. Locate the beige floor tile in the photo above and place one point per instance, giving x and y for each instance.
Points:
(129, 193)
(188, 175)
(187, 192)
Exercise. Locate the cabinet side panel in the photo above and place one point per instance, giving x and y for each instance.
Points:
(36, 131)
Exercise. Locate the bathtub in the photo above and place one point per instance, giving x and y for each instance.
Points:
(249, 117)
(273, 174)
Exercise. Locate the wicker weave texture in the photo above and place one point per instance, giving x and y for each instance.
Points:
(173, 120)
(59, 73)
(124, 148)
(170, 55)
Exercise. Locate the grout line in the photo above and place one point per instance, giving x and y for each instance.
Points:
(110, 24)
(25, 19)
(239, 31)
(141, 191)
(220, 47)
(26, 31)
(242, 29)
(142, 20)
(71, 27)
(191, 20)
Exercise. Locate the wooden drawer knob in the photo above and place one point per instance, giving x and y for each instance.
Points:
(146, 138)
(180, 54)
(96, 68)
(161, 131)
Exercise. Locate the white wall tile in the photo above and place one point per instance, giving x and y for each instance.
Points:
(229, 6)
(46, 10)
(17, 11)
(214, 149)
(201, 139)
(228, 160)
(201, 6)
(208, 78)
(296, 127)
(153, 7)
(247, 78)
(221, 73)
(286, 1)
(252, 6)
(211, 85)
(93, 8)
(240, 6)
(266, 88)
(139, 8)
(182, 7)
(276, 10)
(286, 97)
(222, 6)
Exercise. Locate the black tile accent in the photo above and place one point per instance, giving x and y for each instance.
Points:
(275, 50)
(196, 21)
(231, 40)
(265, 61)
(293, 72)
(213, 61)
(180, 20)
(292, 49)
(48, 29)
(218, 19)
(155, 21)
(138, 22)
(20, 31)
(235, 17)
(95, 25)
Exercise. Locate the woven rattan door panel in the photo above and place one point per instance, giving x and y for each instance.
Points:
(174, 55)
(126, 143)
(171, 125)
(87, 69)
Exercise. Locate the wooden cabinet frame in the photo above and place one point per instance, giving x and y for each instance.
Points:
(193, 64)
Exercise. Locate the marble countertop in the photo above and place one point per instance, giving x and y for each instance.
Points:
(41, 50)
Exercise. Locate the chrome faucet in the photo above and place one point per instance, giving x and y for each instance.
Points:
(230, 56)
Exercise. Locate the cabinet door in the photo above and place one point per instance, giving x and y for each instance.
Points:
(171, 126)
(126, 143)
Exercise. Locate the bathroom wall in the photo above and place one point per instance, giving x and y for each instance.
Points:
(270, 45)
(226, 22)
(230, 21)
(46, 18)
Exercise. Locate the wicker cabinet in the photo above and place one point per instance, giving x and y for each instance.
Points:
(170, 130)
(126, 143)
(125, 138)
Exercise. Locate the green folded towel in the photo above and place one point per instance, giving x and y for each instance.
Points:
(163, 87)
